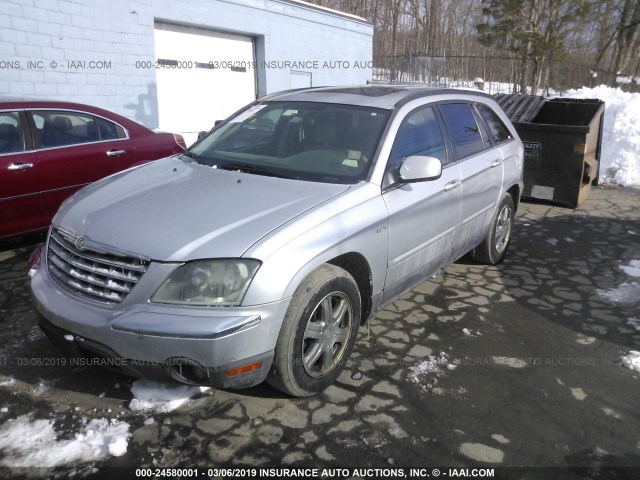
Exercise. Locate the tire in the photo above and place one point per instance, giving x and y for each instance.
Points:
(318, 333)
(494, 247)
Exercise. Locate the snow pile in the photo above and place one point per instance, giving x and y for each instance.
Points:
(161, 397)
(620, 155)
(27, 443)
(627, 292)
(632, 360)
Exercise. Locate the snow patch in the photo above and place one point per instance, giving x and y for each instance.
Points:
(634, 323)
(632, 360)
(633, 269)
(432, 364)
(161, 397)
(7, 383)
(625, 293)
(98, 439)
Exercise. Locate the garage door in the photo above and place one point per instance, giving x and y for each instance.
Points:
(202, 76)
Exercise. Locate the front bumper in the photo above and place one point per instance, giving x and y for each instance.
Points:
(223, 347)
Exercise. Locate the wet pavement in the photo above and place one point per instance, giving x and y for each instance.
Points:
(520, 364)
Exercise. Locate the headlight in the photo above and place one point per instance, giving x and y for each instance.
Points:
(217, 283)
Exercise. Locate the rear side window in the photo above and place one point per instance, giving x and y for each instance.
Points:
(59, 128)
(463, 129)
(499, 132)
(419, 134)
(11, 138)
(109, 130)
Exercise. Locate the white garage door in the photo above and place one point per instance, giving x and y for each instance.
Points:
(202, 76)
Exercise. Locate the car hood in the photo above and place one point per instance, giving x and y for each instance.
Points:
(170, 210)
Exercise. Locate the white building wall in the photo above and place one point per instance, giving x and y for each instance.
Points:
(96, 51)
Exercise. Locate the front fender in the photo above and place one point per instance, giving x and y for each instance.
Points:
(355, 222)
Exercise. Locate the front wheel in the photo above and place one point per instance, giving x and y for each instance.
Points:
(495, 244)
(318, 332)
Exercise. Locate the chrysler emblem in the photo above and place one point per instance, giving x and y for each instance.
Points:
(80, 243)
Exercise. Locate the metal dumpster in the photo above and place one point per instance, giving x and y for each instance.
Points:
(562, 140)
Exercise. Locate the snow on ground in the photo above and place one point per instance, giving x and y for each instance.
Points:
(161, 397)
(620, 154)
(632, 360)
(628, 292)
(34, 443)
(432, 365)
(633, 269)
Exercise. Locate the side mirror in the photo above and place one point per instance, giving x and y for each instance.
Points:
(418, 168)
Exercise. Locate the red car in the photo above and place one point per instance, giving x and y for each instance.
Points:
(50, 149)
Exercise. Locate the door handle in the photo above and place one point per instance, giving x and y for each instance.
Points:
(116, 153)
(451, 185)
(496, 162)
(19, 166)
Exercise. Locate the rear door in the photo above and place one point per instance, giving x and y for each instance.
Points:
(505, 140)
(19, 198)
(74, 149)
(480, 165)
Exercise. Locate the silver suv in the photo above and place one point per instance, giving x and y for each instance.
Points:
(259, 252)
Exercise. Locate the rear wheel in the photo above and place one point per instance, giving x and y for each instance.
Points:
(318, 332)
(492, 250)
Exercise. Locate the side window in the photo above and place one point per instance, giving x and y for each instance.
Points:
(58, 128)
(499, 131)
(109, 130)
(463, 129)
(419, 134)
(11, 138)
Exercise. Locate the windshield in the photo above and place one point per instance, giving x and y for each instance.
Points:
(319, 142)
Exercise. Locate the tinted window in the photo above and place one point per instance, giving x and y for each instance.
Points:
(65, 128)
(109, 130)
(499, 132)
(463, 129)
(11, 138)
(419, 134)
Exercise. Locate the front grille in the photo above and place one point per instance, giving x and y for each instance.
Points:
(104, 277)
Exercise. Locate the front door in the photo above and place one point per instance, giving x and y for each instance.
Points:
(423, 216)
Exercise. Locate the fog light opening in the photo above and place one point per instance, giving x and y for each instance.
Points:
(244, 369)
(186, 370)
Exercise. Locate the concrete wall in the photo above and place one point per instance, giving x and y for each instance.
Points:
(97, 52)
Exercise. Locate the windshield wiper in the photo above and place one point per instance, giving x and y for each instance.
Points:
(247, 168)
(190, 154)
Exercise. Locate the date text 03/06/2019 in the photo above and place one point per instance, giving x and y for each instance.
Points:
(336, 473)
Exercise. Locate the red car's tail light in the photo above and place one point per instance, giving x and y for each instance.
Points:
(180, 140)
